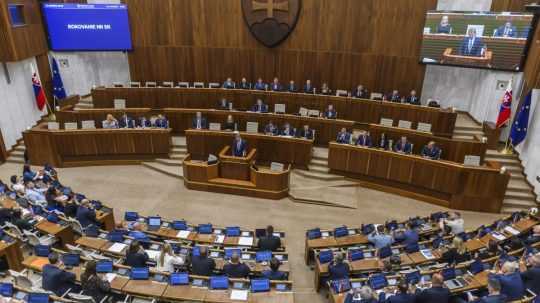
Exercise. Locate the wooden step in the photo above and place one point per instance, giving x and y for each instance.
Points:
(15, 160)
(518, 195)
(323, 176)
(172, 171)
(524, 204)
(177, 156)
(231, 182)
(170, 162)
(510, 210)
(319, 162)
(178, 150)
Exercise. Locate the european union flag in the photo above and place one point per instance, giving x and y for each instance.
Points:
(521, 122)
(58, 86)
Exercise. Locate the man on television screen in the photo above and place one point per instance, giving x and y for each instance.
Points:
(507, 30)
(444, 26)
(471, 45)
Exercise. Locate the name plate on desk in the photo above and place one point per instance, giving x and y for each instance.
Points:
(70, 125)
(404, 124)
(88, 124)
(279, 108)
(303, 111)
(214, 126)
(252, 127)
(471, 160)
(119, 103)
(424, 127)
(313, 113)
(387, 122)
(53, 125)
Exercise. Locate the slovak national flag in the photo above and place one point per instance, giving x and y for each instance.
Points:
(41, 100)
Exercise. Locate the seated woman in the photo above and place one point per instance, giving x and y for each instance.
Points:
(167, 259)
(92, 284)
(230, 124)
(456, 253)
(136, 256)
(110, 122)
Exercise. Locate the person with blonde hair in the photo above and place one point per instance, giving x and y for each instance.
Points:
(456, 253)
(363, 294)
(110, 122)
(166, 259)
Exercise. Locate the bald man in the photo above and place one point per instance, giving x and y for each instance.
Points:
(437, 293)
(235, 268)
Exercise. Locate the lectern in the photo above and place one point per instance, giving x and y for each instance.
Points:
(235, 167)
(450, 58)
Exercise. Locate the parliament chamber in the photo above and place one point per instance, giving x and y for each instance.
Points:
(269, 151)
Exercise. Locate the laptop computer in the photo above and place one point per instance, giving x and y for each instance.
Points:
(263, 256)
(42, 250)
(451, 281)
(154, 223)
(71, 260)
(179, 225)
(219, 282)
(131, 216)
(6, 289)
(230, 251)
(36, 297)
(260, 285)
(139, 273)
(179, 278)
(104, 266)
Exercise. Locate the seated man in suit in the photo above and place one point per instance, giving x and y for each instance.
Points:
(229, 84)
(330, 112)
(308, 88)
(223, 104)
(288, 130)
(236, 269)
(431, 151)
(511, 283)
(364, 139)
(403, 146)
(144, 122)
(274, 273)
(55, 279)
(271, 129)
(325, 89)
(413, 98)
(161, 122)
(126, 122)
(471, 45)
(343, 137)
(269, 241)
(306, 133)
(239, 146)
(259, 107)
(244, 84)
(338, 269)
(260, 85)
(86, 214)
(276, 86)
(393, 97)
(531, 276)
(436, 293)
(291, 88)
(360, 92)
(202, 265)
(507, 30)
(199, 122)
(444, 26)
(110, 122)
(534, 236)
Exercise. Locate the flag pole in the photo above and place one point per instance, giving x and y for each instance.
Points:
(509, 148)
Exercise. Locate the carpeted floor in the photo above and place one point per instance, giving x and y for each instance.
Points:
(151, 193)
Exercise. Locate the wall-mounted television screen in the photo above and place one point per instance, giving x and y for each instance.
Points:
(476, 39)
(92, 27)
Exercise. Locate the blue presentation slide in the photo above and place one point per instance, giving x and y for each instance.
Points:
(92, 27)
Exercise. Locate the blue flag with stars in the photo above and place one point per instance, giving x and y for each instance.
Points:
(58, 86)
(521, 122)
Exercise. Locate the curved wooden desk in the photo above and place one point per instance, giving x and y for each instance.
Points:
(358, 110)
(262, 183)
(440, 182)
(295, 151)
(65, 148)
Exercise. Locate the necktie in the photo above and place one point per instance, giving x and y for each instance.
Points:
(506, 31)
(471, 41)
(198, 123)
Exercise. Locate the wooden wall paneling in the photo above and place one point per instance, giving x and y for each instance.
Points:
(510, 5)
(532, 65)
(3, 152)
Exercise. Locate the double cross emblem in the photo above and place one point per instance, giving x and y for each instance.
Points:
(270, 6)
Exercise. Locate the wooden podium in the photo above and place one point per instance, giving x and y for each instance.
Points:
(236, 175)
(450, 58)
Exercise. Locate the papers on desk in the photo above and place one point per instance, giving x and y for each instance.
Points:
(427, 254)
(245, 234)
(239, 295)
(183, 234)
(325, 234)
(498, 236)
(245, 241)
(219, 239)
(153, 254)
(511, 230)
(110, 276)
(117, 247)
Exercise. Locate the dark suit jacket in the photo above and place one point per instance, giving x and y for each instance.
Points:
(292, 88)
(414, 100)
(145, 122)
(364, 141)
(292, 132)
(126, 123)
(221, 105)
(360, 94)
(276, 87)
(476, 49)
(238, 151)
(401, 298)
(86, 216)
(259, 86)
(262, 109)
(203, 123)
(512, 32)
(393, 98)
(239, 270)
(163, 123)
(137, 259)
(339, 271)
(400, 147)
(306, 134)
(270, 242)
(246, 85)
(229, 84)
(271, 129)
(330, 114)
(202, 266)
(57, 280)
(493, 299)
(511, 285)
(431, 153)
(274, 275)
(531, 278)
(434, 294)
(444, 29)
(309, 90)
(344, 138)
